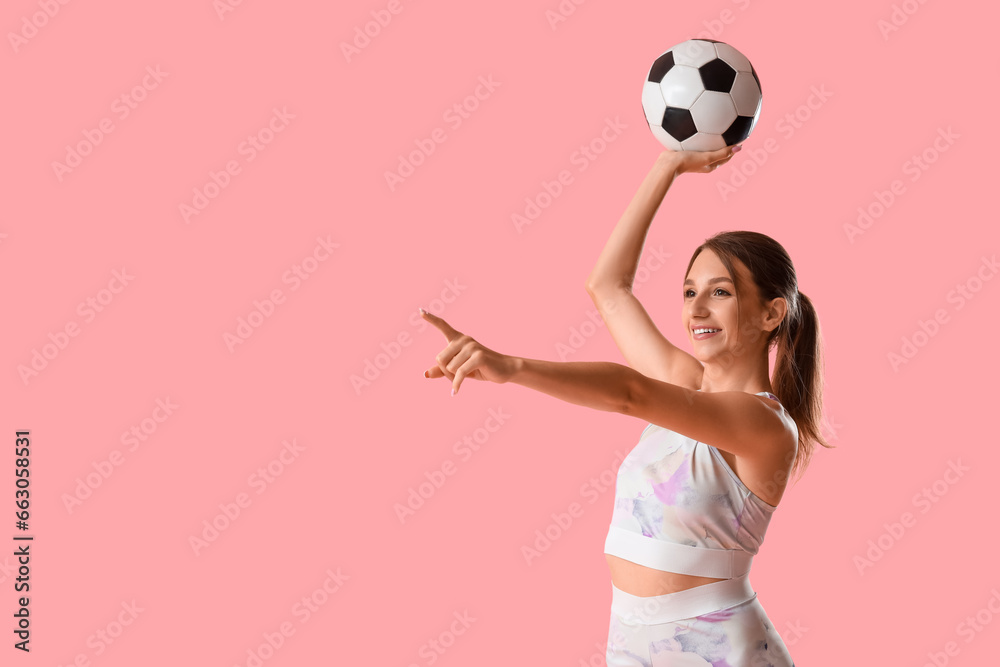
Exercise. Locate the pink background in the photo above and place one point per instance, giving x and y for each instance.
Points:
(444, 239)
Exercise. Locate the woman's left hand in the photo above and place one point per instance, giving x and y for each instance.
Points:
(464, 357)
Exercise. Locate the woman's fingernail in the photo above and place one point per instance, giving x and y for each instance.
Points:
(422, 311)
(452, 391)
(425, 373)
(737, 149)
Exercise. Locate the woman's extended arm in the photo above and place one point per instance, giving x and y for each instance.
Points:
(733, 421)
(601, 385)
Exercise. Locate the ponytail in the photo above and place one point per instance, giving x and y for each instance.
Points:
(798, 375)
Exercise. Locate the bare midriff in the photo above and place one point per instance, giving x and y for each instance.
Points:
(645, 582)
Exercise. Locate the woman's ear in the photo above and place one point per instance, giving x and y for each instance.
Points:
(775, 313)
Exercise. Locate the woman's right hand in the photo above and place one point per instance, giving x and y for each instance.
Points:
(698, 161)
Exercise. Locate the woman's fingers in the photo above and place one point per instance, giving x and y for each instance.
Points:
(443, 326)
(434, 372)
(454, 361)
(462, 357)
(467, 368)
(458, 360)
(707, 161)
(445, 357)
(456, 368)
(711, 159)
(720, 157)
(722, 153)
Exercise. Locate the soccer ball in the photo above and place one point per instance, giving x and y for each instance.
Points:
(701, 95)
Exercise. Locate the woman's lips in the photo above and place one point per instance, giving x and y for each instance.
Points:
(703, 336)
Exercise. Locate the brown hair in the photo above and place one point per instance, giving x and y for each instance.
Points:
(798, 370)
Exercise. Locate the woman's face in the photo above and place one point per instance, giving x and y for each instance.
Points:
(710, 302)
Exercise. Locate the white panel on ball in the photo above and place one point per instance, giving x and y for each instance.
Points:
(694, 52)
(664, 138)
(652, 103)
(745, 94)
(704, 142)
(733, 57)
(681, 86)
(713, 112)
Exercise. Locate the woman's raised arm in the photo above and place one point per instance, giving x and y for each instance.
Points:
(642, 344)
(619, 260)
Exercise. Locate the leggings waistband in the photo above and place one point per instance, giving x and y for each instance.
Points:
(682, 604)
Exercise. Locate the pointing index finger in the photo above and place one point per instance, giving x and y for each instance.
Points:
(443, 326)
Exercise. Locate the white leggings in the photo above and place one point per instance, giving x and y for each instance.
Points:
(721, 624)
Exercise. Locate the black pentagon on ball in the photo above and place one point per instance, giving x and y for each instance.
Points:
(678, 123)
(717, 75)
(738, 131)
(754, 72)
(661, 66)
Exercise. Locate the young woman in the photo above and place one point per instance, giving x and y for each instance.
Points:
(694, 497)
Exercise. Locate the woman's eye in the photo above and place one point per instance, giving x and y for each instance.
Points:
(717, 289)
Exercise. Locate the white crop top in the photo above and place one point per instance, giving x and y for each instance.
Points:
(679, 507)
